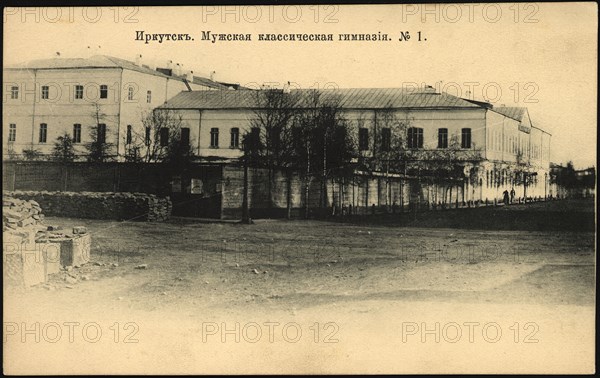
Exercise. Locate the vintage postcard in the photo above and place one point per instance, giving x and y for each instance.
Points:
(300, 189)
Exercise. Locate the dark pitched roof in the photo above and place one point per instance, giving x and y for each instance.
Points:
(513, 112)
(486, 105)
(208, 83)
(128, 65)
(350, 98)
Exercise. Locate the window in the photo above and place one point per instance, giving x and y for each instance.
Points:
(104, 91)
(45, 92)
(164, 136)
(363, 139)
(43, 132)
(253, 139)
(442, 138)
(185, 136)
(235, 137)
(129, 136)
(78, 92)
(130, 93)
(465, 141)
(12, 132)
(386, 139)
(274, 137)
(415, 137)
(214, 137)
(149, 97)
(101, 133)
(14, 92)
(77, 133)
(147, 136)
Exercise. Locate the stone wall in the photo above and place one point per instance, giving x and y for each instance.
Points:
(100, 205)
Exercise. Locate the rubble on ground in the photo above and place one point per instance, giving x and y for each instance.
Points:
(32, 250)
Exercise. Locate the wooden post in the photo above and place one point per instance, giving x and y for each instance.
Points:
(245, 209)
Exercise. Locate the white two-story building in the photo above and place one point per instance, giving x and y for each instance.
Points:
(502, 135)
(44, 99)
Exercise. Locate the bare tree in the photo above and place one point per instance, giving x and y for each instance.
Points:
(447, 166)
(522, 172)
(324, 144)
(159, 140)
(273, 116)
(299, 131)
(99, 149)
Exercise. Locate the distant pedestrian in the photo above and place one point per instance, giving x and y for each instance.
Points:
(394, 207)
(512, 195)
(505, 198)
(373, 209)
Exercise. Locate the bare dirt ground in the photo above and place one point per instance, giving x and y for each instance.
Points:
(362, 297)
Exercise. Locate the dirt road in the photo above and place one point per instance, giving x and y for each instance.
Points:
(363, 299)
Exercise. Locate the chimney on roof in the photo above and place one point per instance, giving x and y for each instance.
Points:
(189, 76)
(286, 87)
(170, 64)
(138, 60)
(178, 69)
(212, 75)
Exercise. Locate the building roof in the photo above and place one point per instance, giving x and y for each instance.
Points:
(208, 83)
(96, 61)
(513, 112)
(350, 98)
(105, 61)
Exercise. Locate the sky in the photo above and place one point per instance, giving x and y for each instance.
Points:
(539, 55)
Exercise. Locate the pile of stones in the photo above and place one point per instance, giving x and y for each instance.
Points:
(18, 213)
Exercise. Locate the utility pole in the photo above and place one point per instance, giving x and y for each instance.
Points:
(307, 180)
(245, 209)
(324, 179)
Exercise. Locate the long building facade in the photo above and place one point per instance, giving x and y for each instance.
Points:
(48, 98)
(44, 99)
(504, 136)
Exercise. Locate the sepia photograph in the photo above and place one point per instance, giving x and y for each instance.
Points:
(299, 189)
